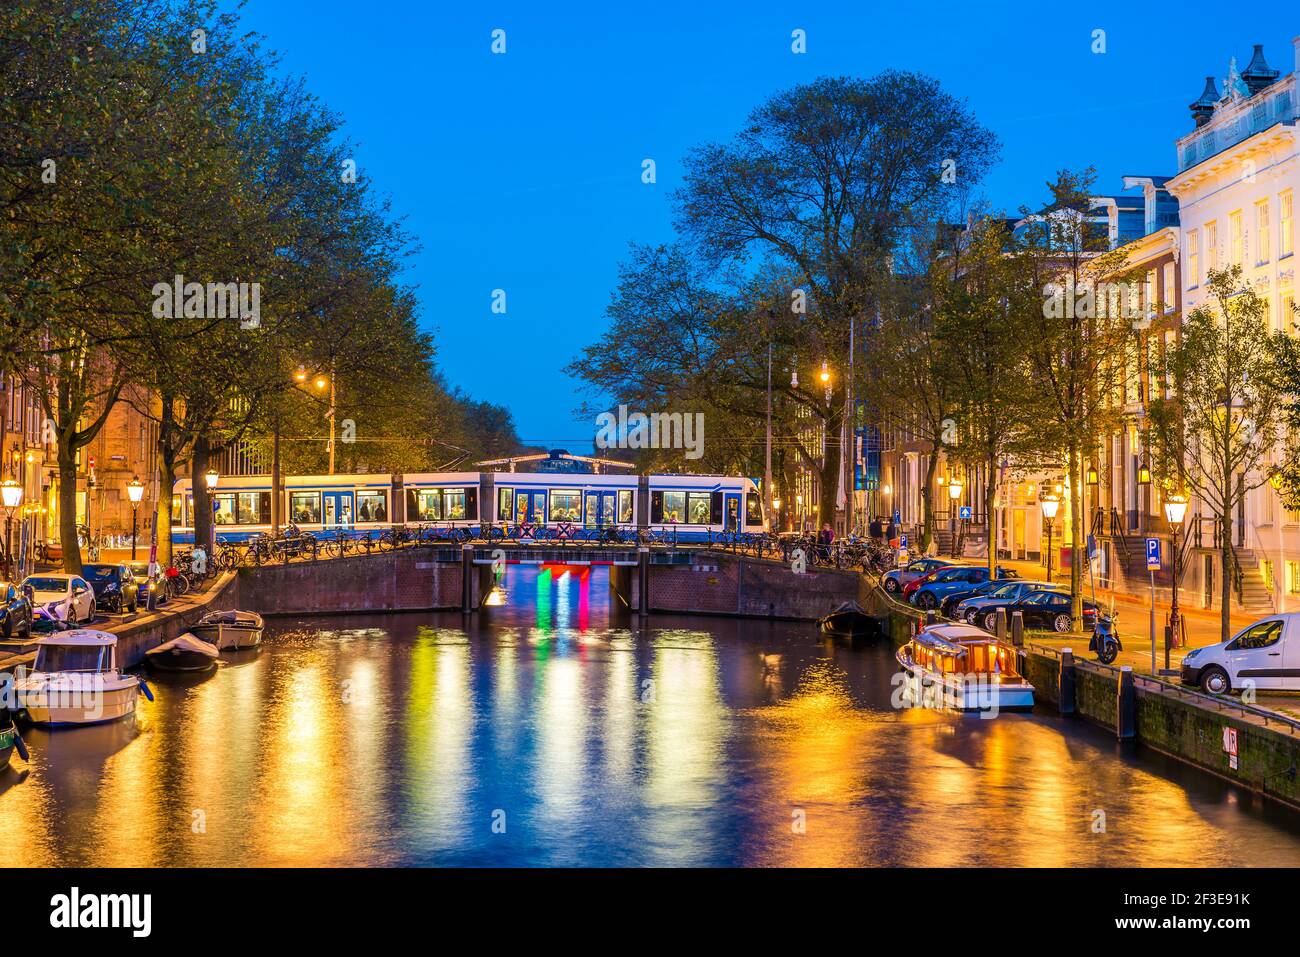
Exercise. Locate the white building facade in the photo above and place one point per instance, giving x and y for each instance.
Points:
(1237, 185)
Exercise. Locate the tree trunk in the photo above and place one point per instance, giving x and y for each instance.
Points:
(990, 495)
(927, 500)
(1225, 559)
(166, 478)
(202, 500)
(67, 458)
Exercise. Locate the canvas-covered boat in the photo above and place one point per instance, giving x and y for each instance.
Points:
(10, 741)
(230, 630)
(75, 680)
(963, 668)
(186, 653)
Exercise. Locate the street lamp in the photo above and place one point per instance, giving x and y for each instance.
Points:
(1175, 512)
(135, 492)
(210, 478)
(1093, 477)
(1049, 504)
(11, 493)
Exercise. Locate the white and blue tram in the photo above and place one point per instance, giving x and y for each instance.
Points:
(686, 507)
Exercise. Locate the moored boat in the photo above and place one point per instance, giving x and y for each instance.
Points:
(848, 620)
(186, 653)
(75, 680)
(230, 630)
(963, 668)
(10, 741)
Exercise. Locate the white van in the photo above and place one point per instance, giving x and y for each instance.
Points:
(1267, 654)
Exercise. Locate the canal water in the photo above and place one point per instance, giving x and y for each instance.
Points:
(556, 731)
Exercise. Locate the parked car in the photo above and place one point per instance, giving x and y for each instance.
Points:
(931, 591)
(894, 580)
(914, 585)
(15, 611)
(990, 594)
(1266, 653)
(69, 597)
(1044, 609)
(140, 572)
(115, 587)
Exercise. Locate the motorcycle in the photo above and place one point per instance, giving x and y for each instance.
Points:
(1105, 642)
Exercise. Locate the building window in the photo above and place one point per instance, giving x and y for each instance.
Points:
(1193, 258)
(1287, 316)
(1263, 232)
(1286, 238)
(1293, 577)
(1234, 239)
(1170, 293)
(1211, 247)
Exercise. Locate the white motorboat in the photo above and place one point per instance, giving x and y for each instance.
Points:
(963, 668)
(75, 680)
(230, 630)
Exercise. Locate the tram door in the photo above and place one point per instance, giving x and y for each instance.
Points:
(731, 512)
(600, 508)
(530, 506)
(338, 509)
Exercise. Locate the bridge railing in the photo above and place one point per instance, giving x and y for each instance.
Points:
(794, 550)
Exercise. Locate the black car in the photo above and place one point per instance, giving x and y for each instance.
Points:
(15, 611)
(1044, 610)
(115, 588)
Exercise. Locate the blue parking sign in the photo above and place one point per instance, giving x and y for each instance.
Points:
(1153, 554)
(902, 541)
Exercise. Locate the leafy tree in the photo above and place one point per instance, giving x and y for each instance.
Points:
(821, 184)
(1217, 431)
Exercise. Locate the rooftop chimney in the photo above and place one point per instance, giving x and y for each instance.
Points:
(1257, 75)
(1203, 108)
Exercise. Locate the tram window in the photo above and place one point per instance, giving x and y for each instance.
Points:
(223, 509)
(753, 509)
(453, 504)
(625, 507)
(674, 507)
(566, 506)
(176, 510)
(304, 507)
(503, 504)
(371, 507)
(699, 507)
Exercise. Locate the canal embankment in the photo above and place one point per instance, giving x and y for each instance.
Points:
(143, 631)
(1253, 747)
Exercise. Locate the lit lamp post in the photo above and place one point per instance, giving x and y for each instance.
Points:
(776, 513)
(1175, 512)
(135, 492)
(12, 495)
(955, 488)
(798, 501)
(1049, 504)
(210, 479)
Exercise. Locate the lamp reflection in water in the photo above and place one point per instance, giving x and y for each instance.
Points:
(439, 725)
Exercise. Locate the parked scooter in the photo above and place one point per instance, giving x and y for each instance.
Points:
(1105, 642)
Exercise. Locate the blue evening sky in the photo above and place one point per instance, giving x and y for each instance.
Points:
(523, 171)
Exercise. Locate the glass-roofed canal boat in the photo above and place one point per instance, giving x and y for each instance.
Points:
(963, 668)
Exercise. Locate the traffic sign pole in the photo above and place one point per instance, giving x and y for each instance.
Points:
(1153, 565)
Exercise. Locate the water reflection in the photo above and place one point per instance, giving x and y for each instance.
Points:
(555, 730)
